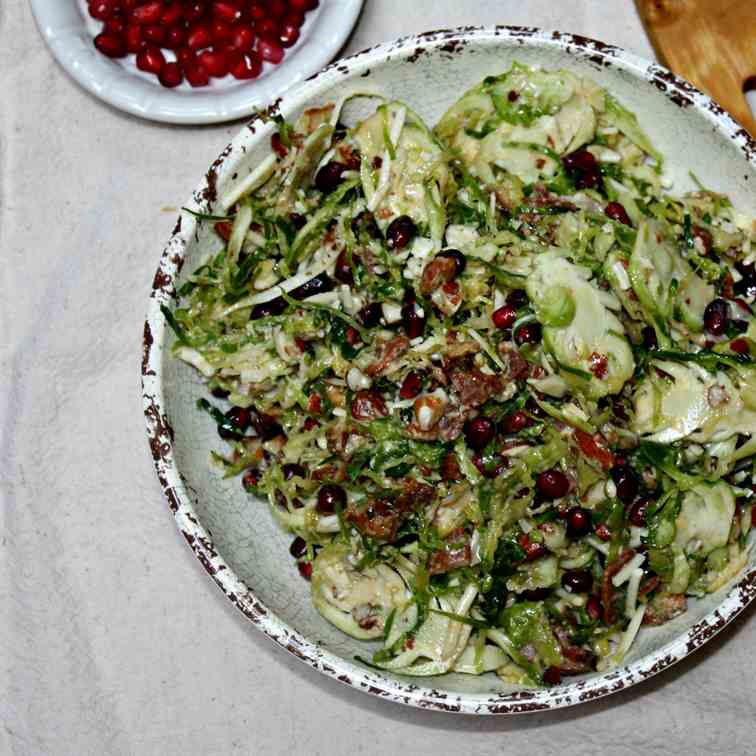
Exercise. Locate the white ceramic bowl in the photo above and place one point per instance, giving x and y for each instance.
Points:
(235, 537)
(69, 32)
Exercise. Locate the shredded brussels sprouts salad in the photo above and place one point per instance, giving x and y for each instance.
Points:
(496, 380)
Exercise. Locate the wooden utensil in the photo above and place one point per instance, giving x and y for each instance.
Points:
(712, 43)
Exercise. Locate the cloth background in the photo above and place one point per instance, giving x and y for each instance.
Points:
(112, 638)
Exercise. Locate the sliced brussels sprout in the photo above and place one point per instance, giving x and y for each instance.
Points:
(358, 602)
(474, 661)
(692, 297)
(694, 403)
(627, 122)
(593, 355)
(413, 172)
(542, 573)
(705, 518)
(615, 271)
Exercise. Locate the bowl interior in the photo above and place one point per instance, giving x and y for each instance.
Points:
(429, 74)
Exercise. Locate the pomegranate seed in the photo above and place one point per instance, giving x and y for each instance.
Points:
(270, 50)
(225, 11)
(257, 12)
(289, 35)
(412, 320)
(194, 11)
(215, 61)
(594, 608)
(247, 66)
(277, 8)
(150, 59)
(716, 315)
(578, 522)
(305, 569)
(221, 32)
(293, 18)
(583, 168)
(637, 515)
(102, 10)
(739, 346)
(515, 422)
(553, 484)
(148, 13)
(242, 38)
(185, 56)
(532, 550)
(153, 34)
(329, 176)
(175, 36)
(310, 423)
(133, 37)
(128, 5)
(199, 37)
(530, 333)
(603, 532)
(250, 479)
(172, 15)
(552, 675)
(298, 547)
(343, 270)
(626, 482)
(400, 232)
(577, 581)
(617, 212)
(303, 5)
(517, 298)
(330, 497)
(411, 386)
(479, 432)
(268, 29)
(504, 317)
(171, 75)
(370, 315)
(649, 338)
(111, 45)
(115, 25)
(196, 73)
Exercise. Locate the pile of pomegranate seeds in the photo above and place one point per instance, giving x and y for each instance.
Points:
(205, 38)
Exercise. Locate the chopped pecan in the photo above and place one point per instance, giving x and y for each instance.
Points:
(437, 272)
(607, 589)
(450, 470)
(386, 353)
(368, 405)
(473, 386)
(518, 368)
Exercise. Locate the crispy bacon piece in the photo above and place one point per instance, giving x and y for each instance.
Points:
(577, 660)
(595, 448)
(474, 387)
(542, 197)
(223, 229)
(438, 271)
(387, 352)
(457, 349)
(664, 607)
(330, 472)
(607, 589)
(518, 368)
(453, 555)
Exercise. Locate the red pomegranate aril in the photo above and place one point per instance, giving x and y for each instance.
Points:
(268, 29)
(150, 59)
(411, 386)
(185, 56)
(637, 514)
(250, 479)
(400, 232)
(515, 422)
(530, 333)
(128, 5)
(343, 269)
(242, 37)
(247, 67)
(617, 212)
(479, 432)
(295, 18)
(148, 13)
(196, 73)
(739, 346)
(578, 522)
(532, 549)
(305, 569)
(154, 34)
(330, 497)
(171, 75)
(194, 11)
(277, 8)
(172, 14)
(626, 483)
(413, 320)
(552, 675)
(553, 484)
(199, 37)
(257, 12)
(517, 298)
(175, 37)
(216, 62)
(225, 11)
(593, 608)
(112, 45)
(102, 10)
(716, 315)
(577, 581)
(221, 32)
(328, 178)
(303, 5)
(115, 25)
(289, 35)
(270, 50)
(504, 317)
(298, 547)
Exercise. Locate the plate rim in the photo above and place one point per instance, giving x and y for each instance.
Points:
(160, 433)
(106, 80)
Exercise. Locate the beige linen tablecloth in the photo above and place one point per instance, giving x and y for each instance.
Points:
(112, 638)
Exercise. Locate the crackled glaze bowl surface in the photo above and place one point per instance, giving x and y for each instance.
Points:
(233, 536)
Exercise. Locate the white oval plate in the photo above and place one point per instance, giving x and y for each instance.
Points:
(69, 32)
(234, 536)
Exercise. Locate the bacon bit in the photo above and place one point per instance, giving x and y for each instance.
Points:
(349, 157)
(603, 532)
(577, 660)
(438, 271)
(368, 623)
(599, 365)
(223, 229)
(379, 519)
(728, 283)
(330, 472)
(278, 146)
(607, 589)
(301, 344)
(377, 162)
(518, 368)
(450, 470)
(409, 644)
(664, 607)
(704, 236)
(449, 427)
(536, 371)
(315, 404)
(452, 555)
(473, 386)
(352, 336)
(457, 349)
(739, 346)
(649, 585)
(594, 448)
(386, 353)
(540, 163)
(532, 550)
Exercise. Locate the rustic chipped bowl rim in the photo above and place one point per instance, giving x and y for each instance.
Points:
(160, 433)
